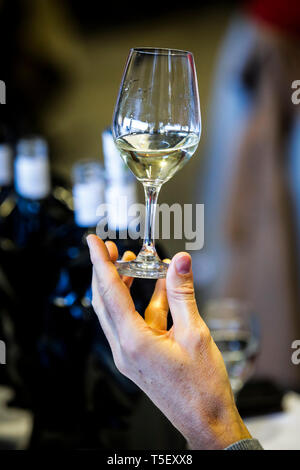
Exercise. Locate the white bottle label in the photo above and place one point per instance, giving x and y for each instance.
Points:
(32, 176)
(114, 165)
(6, 167)
(119, 198)
(87, 198)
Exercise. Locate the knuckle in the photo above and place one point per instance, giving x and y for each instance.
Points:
(204, 333)
(105, 281)
(199, 339)
(107, 287)
(184, 291)
(131, 347)
(121, 364)
(94, 259)
(94, 305)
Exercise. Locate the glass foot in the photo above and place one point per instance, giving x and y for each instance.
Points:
(150, 270)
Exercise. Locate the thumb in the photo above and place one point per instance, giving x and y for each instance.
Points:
(180, 292)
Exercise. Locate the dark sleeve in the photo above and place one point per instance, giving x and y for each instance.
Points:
(245, 444)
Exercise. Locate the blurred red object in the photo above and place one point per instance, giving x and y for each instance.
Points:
(283, 15)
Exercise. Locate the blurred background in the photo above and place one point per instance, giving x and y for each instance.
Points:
(62, 62)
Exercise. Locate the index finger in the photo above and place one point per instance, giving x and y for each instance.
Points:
(127, 256)
(113, 291)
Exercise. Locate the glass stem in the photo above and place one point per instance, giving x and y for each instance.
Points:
(148, 251)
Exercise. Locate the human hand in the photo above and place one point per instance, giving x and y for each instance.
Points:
(181, 369)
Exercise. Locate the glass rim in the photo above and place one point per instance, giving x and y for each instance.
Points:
(160, 51)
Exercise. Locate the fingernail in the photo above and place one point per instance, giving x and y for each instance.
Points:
(183, 264)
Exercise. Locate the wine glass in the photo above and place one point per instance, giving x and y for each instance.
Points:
(156, 127)
(235, 331)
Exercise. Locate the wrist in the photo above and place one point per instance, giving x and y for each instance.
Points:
(218, 433)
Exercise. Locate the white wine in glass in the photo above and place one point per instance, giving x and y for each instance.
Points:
(155, 158)
(157, 128)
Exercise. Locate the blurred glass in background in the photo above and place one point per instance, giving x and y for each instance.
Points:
(235, 331)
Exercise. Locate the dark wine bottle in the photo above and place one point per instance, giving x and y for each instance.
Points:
(30, 228)
(6, 173)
